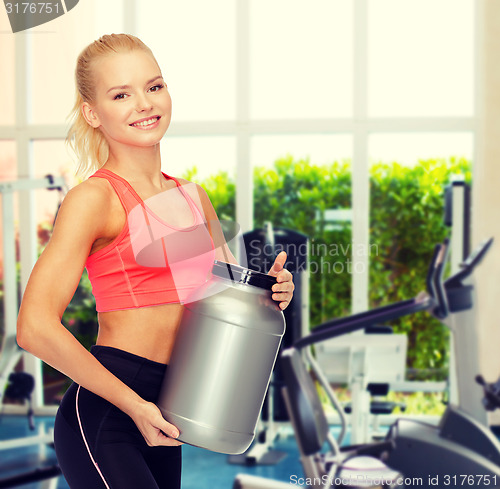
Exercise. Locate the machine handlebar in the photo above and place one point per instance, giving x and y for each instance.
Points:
(491, 400)
(441, 298)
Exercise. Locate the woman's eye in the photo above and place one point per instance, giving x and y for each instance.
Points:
(157, 87)
(119, 96)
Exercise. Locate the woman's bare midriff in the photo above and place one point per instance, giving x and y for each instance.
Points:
(147, 331)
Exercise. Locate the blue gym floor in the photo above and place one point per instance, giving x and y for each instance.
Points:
(201, 469)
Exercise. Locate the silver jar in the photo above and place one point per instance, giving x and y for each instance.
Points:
(222, 360)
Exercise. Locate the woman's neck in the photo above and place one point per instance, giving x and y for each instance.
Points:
(135, 163)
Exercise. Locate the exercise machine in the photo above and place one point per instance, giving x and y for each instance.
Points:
(458, 451)
(20, 385)
(373, 364)
(369, 364)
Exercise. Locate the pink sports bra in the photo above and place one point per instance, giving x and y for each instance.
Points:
(150, 262)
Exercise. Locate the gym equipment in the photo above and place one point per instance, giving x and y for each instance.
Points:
(36, 475)
(222, 359)
(491, 400)
(10, 353)
(366, 363)
(19, 388)
(366, 357)
(376, 360)
(424, 455)
(370, 364)
(457, 205)
(462, 388)
(19, 385)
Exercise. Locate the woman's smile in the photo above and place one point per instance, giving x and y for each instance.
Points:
(147, 123)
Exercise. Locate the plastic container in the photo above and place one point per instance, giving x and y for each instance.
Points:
(222, 360)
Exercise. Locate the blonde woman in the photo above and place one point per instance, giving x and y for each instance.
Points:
(108, 431)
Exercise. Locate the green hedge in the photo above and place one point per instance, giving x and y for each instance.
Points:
(406, 221)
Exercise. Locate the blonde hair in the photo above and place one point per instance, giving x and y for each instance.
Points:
(88, 142)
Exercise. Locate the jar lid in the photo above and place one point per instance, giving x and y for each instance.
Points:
(242, 275)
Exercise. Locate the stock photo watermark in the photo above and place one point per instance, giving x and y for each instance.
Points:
(26, 15)
(359, 480)
(330, 258)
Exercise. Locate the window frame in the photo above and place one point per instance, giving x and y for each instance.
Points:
(243, 128)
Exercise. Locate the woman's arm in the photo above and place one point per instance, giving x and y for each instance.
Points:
(81, 221)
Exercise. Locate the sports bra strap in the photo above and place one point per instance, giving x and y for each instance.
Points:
(127, 198)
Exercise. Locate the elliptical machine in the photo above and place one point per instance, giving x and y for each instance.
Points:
(458, 452)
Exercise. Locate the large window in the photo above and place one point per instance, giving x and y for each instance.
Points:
(421, 58)
(7, 75)
(301, 58)
(254, 81)
(195, 45)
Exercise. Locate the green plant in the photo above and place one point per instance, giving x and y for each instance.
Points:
(294, 195)
(406, 222)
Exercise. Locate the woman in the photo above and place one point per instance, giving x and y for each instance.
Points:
(108, 432)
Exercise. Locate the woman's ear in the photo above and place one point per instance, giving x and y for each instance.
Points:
(90, 115)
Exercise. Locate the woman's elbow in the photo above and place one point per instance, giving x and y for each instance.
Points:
(23, 334)
(28, 330)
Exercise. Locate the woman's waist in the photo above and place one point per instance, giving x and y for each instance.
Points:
(148, 332)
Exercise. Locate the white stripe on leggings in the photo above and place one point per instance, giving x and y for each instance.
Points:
(85, 440)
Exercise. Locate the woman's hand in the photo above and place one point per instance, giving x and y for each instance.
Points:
(283, 290)
(153, 426)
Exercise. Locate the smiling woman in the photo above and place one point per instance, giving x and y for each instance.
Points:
(148, 240)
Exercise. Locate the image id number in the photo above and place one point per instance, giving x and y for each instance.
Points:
(469, 480)
(32, 7)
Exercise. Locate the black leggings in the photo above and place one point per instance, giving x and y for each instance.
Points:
(98, 446)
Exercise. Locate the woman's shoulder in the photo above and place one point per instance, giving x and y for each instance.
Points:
(183, 181)
(196, 191)
(192, 185)
(84, 212)
(90, 193)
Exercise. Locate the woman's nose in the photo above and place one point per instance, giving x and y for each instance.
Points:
(143, 103)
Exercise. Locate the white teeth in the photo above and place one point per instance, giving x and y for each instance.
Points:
(146, 123)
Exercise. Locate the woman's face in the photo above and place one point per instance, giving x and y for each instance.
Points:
(132, 106)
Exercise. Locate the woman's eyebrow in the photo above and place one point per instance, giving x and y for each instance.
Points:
(122, 87)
